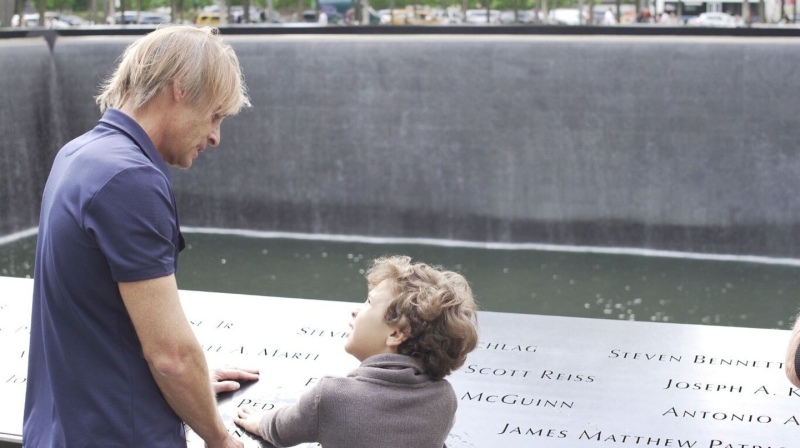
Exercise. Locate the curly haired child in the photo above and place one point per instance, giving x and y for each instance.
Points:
(417, 326)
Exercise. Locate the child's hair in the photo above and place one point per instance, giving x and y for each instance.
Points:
(434, 307)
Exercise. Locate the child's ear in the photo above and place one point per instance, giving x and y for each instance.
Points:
(396, 337)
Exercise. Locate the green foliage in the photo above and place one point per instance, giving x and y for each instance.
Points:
(510, 4)
(66, 5)
(130, 5)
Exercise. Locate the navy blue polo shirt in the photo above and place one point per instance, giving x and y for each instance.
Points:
(108, 215)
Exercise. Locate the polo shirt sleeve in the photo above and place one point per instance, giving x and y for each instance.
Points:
(133, 221)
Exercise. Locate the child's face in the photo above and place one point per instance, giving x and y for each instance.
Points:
(371, 335)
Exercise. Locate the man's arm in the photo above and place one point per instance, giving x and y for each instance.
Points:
(791, 355)
(175, 357)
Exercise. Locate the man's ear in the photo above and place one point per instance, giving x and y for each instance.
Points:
(396, 337)
(178, 94)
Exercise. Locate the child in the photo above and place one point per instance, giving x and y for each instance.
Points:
(417, 326)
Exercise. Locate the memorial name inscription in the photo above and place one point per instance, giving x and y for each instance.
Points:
(305, 331)
(548, 382)
(697, 359)
(726, 388)
(608, 439)
(260, 351)
(506, 347)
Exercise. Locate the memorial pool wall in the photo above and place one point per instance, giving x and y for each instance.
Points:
(666, 143)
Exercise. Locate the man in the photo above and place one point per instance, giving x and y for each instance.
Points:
(113, 360)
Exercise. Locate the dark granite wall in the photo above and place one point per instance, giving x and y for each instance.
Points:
(664, 143)
(25, 130)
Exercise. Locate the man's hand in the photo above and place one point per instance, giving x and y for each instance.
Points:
(249, 419)
(226, 379)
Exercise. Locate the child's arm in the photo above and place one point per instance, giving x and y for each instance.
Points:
(287, 426)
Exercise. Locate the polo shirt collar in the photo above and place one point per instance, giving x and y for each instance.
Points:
(121, 121)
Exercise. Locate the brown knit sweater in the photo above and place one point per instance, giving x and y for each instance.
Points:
(386, 402)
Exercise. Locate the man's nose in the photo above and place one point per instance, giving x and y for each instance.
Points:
(354, 313)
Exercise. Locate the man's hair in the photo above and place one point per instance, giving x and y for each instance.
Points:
(205, 67)
(434, 307)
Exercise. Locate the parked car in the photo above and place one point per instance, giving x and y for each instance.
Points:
(713, 19)
(446, 17)
(411, 16)
(309, 16)
(568, 16)
(72, 20)
(523, 16)
(256, 15)
(51, 20)
(153, 19)
(340, 11)
(209, 18)
(385, 16)
(478, 17)
(273, 17)
(130, 18)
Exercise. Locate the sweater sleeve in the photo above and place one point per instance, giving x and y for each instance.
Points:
(294, 424)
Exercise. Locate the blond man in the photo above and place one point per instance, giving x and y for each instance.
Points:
(113, 361)
(417, 326)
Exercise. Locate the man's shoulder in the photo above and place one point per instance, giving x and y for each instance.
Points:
(103, 144)
(102, 154)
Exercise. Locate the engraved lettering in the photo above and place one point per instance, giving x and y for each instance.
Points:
(474, 368)
(636, 440)
(551, 375)
(514, 399)
(508, 429)
(264, 406)
(506, 347)
(16, 380)
(307, 331)
(720, 443)
(224, 325)
(719, 416)
(644, 356)
(702, 359)
(671, 383)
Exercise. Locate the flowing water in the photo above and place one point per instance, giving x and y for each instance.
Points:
(595, 285)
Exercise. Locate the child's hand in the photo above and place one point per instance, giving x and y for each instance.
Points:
(249, 419)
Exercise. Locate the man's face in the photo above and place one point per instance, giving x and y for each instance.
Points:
(370, 332)
(191, 131)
